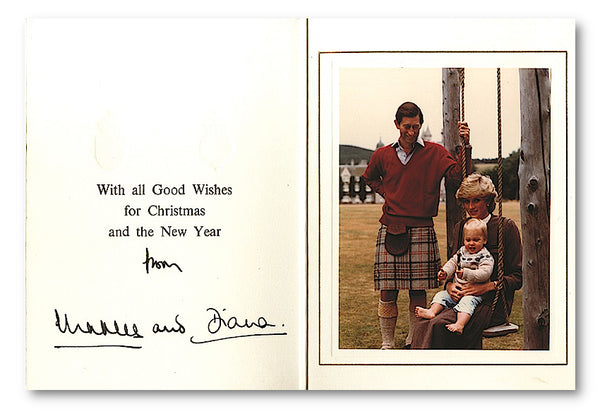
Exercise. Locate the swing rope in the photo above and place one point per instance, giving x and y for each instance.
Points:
(500, 266)
(500, 287)
(461, 76)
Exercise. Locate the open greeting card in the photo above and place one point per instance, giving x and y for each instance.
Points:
(196, 218)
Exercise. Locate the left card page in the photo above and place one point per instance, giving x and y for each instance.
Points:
(165, 203)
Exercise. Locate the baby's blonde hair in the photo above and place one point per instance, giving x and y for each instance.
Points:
(474, 224)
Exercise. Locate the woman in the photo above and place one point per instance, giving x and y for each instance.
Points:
(477, 195)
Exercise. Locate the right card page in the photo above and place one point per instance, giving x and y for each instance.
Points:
(513, 83)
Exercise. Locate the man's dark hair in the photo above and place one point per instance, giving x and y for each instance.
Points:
(408, 110)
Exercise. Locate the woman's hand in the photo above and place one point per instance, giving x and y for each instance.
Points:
(454, 290)
(477, 289)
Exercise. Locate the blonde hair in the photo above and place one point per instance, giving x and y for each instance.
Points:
(474, 224)
(477, 185)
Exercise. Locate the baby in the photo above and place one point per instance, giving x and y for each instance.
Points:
(472, 263)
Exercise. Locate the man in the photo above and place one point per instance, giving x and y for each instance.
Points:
(408, 174)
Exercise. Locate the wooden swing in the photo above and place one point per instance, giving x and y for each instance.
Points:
(507, 327)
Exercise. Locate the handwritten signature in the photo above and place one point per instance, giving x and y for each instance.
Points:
(64, 326)
(217, 322)
(152, 263)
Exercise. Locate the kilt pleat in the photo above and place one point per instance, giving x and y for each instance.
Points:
(416, 269)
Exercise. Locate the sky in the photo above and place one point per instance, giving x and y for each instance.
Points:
(369, 98)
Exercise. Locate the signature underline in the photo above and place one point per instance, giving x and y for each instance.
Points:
(191, 340)
(98, 346)
(236, 336)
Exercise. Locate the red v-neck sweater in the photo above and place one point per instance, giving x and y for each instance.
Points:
(412, 191)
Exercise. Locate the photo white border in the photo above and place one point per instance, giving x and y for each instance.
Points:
(330, 65)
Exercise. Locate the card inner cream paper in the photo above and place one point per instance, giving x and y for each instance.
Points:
(164, 242)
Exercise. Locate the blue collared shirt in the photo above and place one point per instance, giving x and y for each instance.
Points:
(402, 155)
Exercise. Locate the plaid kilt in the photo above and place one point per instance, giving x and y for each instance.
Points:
(416, 269)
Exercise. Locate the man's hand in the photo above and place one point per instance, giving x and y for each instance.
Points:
(464, 132)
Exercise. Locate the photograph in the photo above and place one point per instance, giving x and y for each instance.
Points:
(442, 208)
(417, 194)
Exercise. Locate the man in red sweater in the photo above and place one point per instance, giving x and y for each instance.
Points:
(408, 174)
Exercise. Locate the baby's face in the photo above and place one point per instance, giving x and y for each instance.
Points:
(473, 241)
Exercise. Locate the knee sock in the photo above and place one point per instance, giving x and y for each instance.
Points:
(416, 298)
(388, 314)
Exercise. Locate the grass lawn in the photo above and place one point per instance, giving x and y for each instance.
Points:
(359, 326)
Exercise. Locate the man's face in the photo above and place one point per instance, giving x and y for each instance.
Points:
(409, 130)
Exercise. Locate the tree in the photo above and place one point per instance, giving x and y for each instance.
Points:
(362, 193)
(352, 187)
(535, 206)
(510, 176)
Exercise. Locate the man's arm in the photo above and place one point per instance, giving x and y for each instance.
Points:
(454, 172)
(372, 175)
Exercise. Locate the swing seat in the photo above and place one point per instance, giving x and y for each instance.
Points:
(500, 330)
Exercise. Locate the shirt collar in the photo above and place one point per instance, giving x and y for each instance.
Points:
(487, 219)
(419, 141)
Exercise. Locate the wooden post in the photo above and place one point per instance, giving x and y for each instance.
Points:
(451, 109)
(534, 190)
